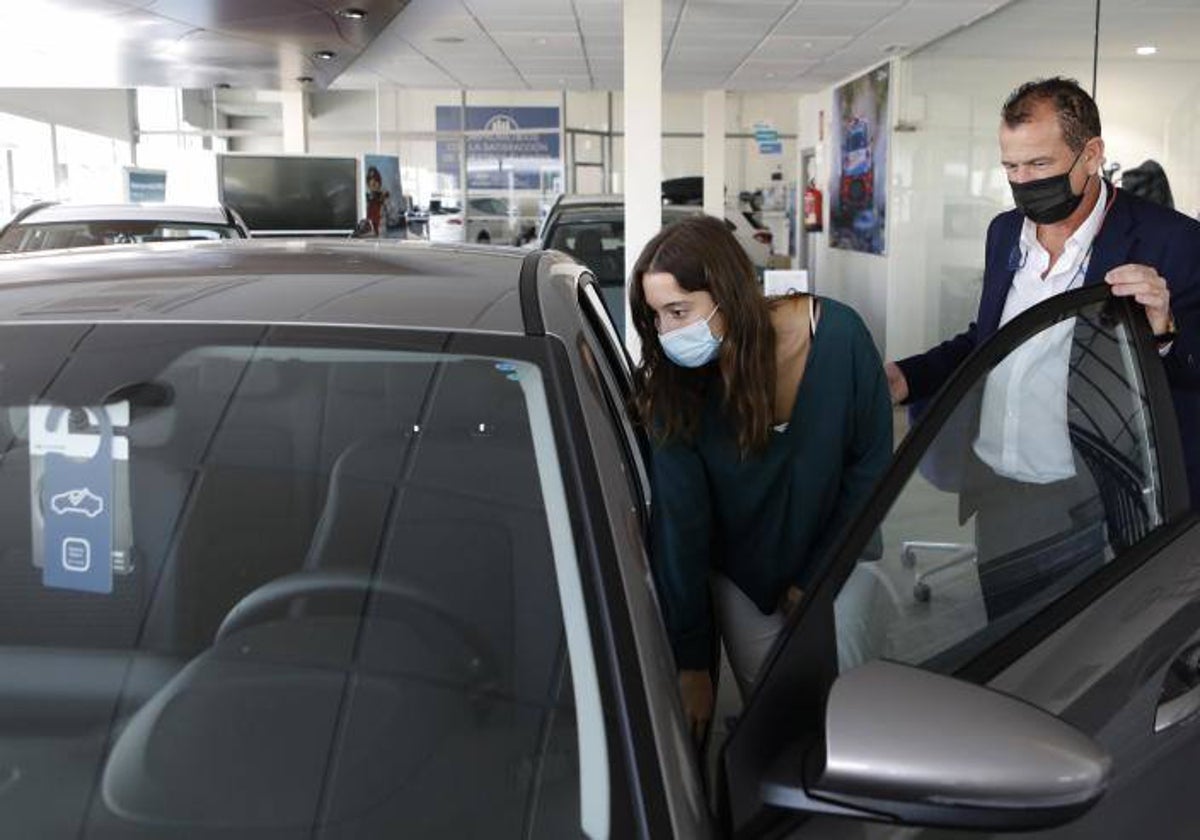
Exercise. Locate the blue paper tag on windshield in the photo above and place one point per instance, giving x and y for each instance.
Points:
(76, 502)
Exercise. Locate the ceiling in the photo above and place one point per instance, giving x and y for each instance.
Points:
(797, 45)
(263, 44)
(1063, 30)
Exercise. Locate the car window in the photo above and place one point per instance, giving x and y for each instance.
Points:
(35, 237)
(1045, 474)
(342, 601)
(613, 362)
(600, 245)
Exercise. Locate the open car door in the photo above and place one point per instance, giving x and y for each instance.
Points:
(1008, 637)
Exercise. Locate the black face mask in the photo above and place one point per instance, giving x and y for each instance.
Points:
(1047, 201)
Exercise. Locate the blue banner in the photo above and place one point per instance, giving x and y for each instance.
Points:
(509, 157)
(146, 185)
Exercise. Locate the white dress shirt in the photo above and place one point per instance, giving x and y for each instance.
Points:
(1023, 423)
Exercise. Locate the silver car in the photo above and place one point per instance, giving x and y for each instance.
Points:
(50, 225)
(368, 558)
(487, 221)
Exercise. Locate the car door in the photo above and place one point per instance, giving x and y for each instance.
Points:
(1033, 536)
(670, 786)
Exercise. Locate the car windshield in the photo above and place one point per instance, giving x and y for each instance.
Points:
(285, 582)
(488, 205)
(40, 237)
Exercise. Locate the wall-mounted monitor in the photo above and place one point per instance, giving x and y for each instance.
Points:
(291, 194)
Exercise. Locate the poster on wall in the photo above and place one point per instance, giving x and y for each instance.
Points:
(508, 155)
(145, 185)
(858, 186)
(383, 200)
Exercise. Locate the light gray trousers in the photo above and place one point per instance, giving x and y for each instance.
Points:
(747, 633)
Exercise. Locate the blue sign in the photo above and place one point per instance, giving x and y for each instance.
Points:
(76, 501)
(508, 156)
(768, 139)
(146, 185)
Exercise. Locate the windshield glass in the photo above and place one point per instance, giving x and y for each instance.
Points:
(285, 582)
(34, 237)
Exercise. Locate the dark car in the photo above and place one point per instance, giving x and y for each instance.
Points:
(378, 519)
(50, 225)
(591, 228)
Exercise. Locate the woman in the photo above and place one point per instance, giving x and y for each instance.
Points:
(771, 423)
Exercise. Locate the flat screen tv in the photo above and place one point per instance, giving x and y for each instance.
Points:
(291, 194)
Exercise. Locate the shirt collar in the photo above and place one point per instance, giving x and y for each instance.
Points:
(1083, 235)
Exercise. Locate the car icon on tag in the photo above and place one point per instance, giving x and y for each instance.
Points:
(81, 500)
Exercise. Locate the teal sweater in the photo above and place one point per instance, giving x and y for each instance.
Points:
(767, 521)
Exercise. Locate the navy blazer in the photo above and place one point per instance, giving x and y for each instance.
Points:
(1134, 231)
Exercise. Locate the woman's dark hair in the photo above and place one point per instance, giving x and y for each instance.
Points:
(373, 174)
(703, 255)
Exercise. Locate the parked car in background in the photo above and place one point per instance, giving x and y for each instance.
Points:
(50, 225)
(689, 190)
(488, 221)
(369, 559)
(591, 228)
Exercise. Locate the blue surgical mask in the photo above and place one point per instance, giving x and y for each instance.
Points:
(691, 346)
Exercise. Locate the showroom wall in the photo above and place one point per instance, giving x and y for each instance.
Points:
(945, 179)
(344, 123)
(858, 279)
(70, 142)
(107, 112)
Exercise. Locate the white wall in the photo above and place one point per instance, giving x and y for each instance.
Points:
(1148, 108)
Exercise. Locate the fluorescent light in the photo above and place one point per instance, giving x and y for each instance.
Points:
(1147, 50)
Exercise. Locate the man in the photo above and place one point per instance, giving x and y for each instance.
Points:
(1071, 228)
(1039, 524)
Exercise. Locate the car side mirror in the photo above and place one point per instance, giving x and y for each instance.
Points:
(925, 749)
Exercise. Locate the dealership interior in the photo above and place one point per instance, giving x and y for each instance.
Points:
(851, 146)
(92, 89)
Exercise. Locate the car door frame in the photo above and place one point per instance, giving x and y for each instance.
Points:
(789, 705)
(633, 653)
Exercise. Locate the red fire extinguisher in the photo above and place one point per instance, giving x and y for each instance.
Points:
(812, 208)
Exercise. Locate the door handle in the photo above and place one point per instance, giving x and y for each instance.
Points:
(1177, 709)
(1181, 693)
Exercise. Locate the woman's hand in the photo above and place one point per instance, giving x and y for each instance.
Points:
(696, 689)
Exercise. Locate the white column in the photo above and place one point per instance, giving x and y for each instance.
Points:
(643, 136)
(714, 153)
(295, 122)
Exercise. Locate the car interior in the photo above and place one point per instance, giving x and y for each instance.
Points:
(327, 623)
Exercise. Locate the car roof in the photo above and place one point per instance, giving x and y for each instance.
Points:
(615, 201)
(62, 213)
(616, 210)
(340, 282)
(600, 200)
